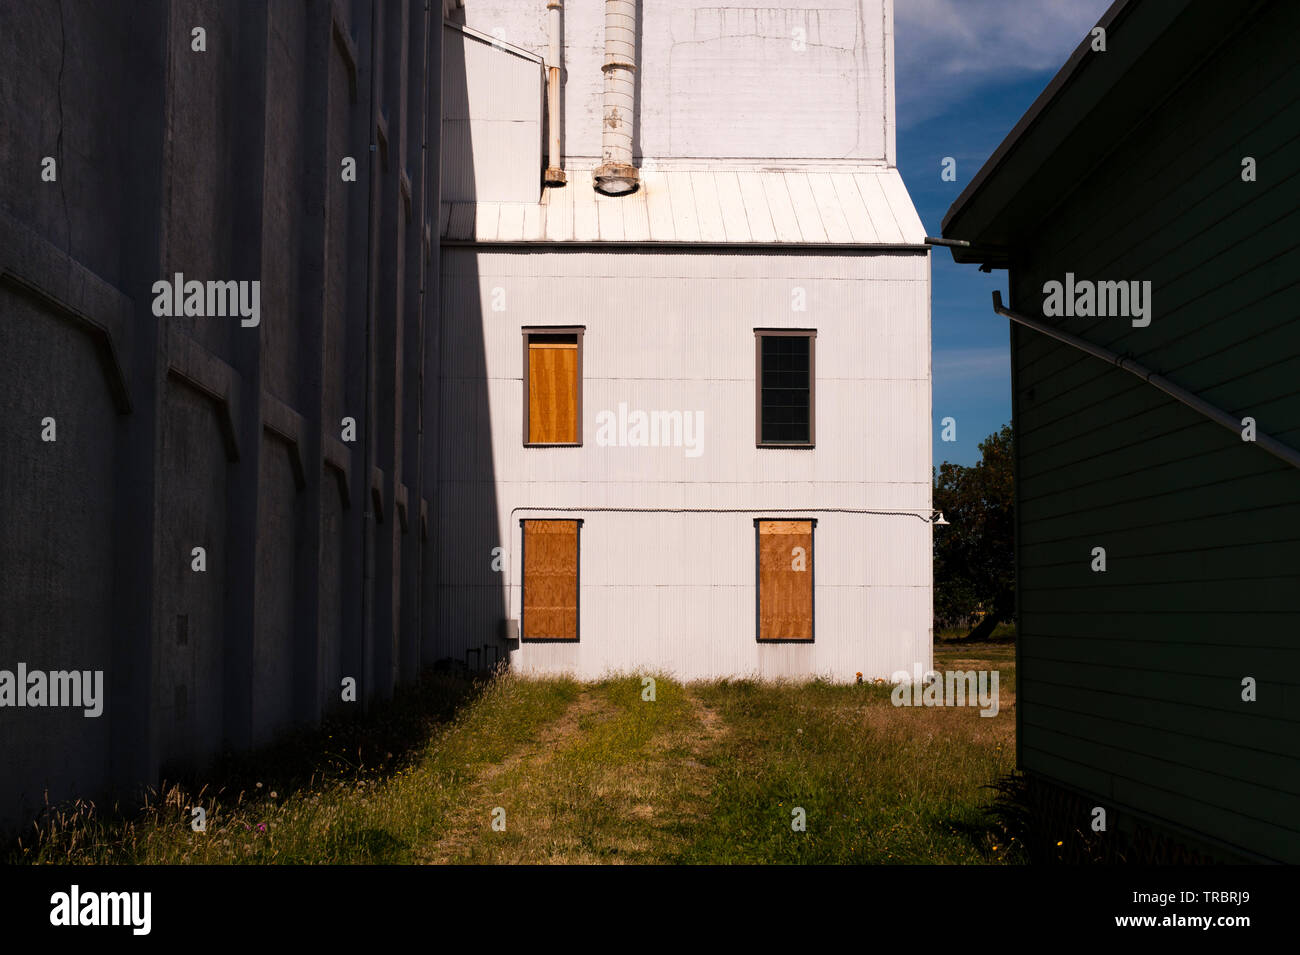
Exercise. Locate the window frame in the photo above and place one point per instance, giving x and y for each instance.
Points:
(811, 335)
(812, 582)
(527, 332)
(577, 582)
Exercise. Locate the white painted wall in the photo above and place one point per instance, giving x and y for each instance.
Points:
(794, 83)
(674, 331)
(491, 148)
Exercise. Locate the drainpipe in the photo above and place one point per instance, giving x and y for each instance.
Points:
(616, 175)
(1216, 414)
(554, 63)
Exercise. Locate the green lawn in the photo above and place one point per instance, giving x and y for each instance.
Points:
(706, 772)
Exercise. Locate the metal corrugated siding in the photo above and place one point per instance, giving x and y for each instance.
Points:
(645, 608)
(736, 207)
(675, 592)
(491, 146)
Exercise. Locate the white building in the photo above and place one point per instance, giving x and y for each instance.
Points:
(685, 428)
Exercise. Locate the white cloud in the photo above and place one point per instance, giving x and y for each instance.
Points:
(955, 365)
(945, 49)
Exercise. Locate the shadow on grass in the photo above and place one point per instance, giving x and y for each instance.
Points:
(988, 837)
(1044, 824)
(363, 746)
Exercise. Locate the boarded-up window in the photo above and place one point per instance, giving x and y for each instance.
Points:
(553, 393)
(550, 600)
(785, 579)
(786, 387)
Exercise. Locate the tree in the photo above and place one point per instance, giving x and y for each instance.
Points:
(974, 555)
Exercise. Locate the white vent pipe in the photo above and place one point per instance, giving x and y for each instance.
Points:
(616, 175)
(554, 62)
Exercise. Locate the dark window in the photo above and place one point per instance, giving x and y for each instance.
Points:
(785, 387)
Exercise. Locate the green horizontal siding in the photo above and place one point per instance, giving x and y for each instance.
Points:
(1167, 800)
(1232, 724)
(1130, 680)
(1238, 628)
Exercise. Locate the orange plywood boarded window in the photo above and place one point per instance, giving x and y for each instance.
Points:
(553, 389)
(550, 580)
(785, 580)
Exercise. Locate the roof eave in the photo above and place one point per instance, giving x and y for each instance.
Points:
(1090, 109)
(1066, 75)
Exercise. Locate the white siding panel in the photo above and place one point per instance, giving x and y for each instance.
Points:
(642, 580)
(492, 122)
(672, 589)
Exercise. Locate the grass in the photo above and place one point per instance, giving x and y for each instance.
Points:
(583, 773)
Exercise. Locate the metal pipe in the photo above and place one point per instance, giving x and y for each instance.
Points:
(554, 64)
(1274, 447)
(616, 175)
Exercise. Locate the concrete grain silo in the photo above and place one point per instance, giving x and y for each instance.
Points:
(189, 518)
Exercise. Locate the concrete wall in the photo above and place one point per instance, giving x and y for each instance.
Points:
(183, 432)
(803, 82)
(674, 330)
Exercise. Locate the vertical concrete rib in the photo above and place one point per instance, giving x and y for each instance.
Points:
(247, 190)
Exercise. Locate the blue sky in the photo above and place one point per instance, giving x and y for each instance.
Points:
(966, 71)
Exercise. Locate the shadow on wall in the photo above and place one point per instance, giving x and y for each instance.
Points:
(182, 430)
(471, 540)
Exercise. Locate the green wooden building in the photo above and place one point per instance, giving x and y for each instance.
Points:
(1166, 152)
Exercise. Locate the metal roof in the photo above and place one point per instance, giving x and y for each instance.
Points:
(713, 207)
